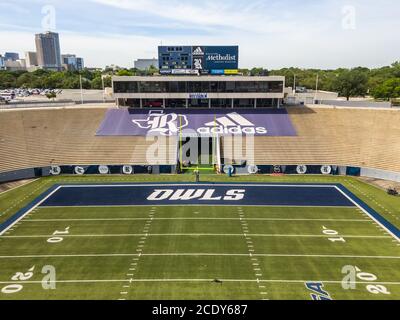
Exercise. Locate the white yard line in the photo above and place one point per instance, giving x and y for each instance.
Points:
(195, 235)
(25, 184)
(197, 205)
(250, 248)
(29, 211)
(139, 248)
(166, 185)
(195, 218)
(203, 280)
(283, 255)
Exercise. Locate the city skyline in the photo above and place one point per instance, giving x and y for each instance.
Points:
(271, 34)
(47, 55)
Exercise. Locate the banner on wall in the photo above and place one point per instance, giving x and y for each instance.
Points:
(142, 122)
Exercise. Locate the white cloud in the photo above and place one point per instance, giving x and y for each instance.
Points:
(270, 33)
(11, 7)
(332, 51)
(247, 17)
(98, 51)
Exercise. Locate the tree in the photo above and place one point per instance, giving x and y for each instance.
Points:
(71, 83)
(124, 72)
(107, 82)
(396, 69)
(7, 80)
(54, 80)
(258, 72)
(390, 89)
(85, 73)
(351, 83)
(51, 95)
(41, 72)
(245, 72)
(97, 83)
(152, 70)
(27, 80)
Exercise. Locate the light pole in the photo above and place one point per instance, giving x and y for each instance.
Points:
(80, 82)
(294, 82)
(316, 88)
(102, 84)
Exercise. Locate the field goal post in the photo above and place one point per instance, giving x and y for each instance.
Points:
(215, 158)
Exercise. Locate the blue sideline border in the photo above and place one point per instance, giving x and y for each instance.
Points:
(361, 204)
(371, 212)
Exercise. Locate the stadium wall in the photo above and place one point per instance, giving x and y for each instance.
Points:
(380, 174)
(356, 104)
(239, 170)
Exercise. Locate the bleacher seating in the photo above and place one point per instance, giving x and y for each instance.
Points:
(333, 136)
(326, 135)
(35, 138)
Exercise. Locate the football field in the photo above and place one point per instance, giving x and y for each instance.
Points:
(199, 241)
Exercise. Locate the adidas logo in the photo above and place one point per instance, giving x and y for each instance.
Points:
(198, 52)
(232, 123)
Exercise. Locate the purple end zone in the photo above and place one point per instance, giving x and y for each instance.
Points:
(169, 122)
(255, 194)
(202, 194)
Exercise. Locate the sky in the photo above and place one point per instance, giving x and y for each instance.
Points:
(270, 33)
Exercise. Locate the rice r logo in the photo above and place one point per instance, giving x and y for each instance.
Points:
(163, 124)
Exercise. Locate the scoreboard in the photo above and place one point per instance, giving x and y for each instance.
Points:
(198, 59)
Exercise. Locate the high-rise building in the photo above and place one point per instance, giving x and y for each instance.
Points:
(71, 62)
(48, 50)
(145, 64)
(31, 59)
(80, 63)
(17, 65)
(2, 63)
(12, 56)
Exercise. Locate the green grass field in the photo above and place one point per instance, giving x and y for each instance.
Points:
(178, 252)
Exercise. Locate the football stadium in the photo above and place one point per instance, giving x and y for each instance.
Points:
(199, 183)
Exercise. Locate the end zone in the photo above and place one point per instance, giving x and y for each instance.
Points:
(218, 194)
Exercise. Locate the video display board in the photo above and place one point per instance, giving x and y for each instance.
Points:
(216, 60)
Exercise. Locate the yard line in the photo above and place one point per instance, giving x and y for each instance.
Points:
(197, 185)
(369, 214)
(194, 235)
(29, 211)
(3, 192)
(203, 280)
(196, 205)
(194, 218)
(284, 255)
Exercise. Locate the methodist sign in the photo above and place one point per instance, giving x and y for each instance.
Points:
(200, 59)
(170, 122)
(210, 59)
